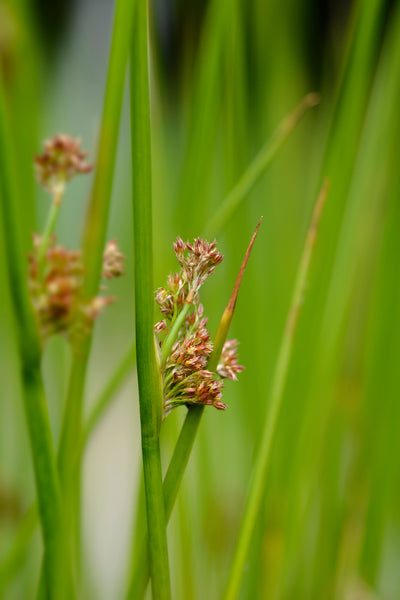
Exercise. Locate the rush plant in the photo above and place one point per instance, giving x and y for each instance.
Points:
(288, 489)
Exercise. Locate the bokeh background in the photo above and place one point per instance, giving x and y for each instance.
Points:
(223, 75)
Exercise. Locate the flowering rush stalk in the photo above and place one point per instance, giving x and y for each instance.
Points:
(61, 160)
(194, 368)
(57, 275)
(56, 571)
(186, 344)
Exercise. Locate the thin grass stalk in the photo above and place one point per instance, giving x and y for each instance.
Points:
(361, 199)
(14, 558)
(379, 144)
(97, 217)
(22, 82)
(56, 560)
(259, 477)
(11, 217)
(340, 158)
(259, 165)
(381, 375)
(107, 395)
(205, 107)
(184, 445)
(93, 247)
(149, 377)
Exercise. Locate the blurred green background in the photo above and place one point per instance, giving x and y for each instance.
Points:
(223, 75)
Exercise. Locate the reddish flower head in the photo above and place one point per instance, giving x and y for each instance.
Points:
(61, 160)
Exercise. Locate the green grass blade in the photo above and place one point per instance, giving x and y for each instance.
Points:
(149, 377)
(259, 165)
(49, 498)
(93, 244)
(259, 476)
(108, 392)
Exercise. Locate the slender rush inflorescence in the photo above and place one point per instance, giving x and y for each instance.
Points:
(60, 161)
(56, 274)
(186, 379)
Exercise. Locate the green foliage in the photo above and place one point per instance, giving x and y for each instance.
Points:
(326, 520)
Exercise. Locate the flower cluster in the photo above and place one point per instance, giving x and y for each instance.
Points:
(56, 274)
(113, 261)
(61, 160)
(56, 292)
(197, 260)
(228, 365)
(186, 378)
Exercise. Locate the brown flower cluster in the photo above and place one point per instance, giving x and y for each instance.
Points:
(228, 365)
(186, 378)
(185, 375)
(113, 261)
(61, 160)
(56, 291)
(197, 260)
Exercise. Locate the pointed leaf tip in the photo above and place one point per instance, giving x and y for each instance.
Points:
(235, 291)
(224, 324)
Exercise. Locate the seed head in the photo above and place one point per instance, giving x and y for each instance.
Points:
(197, 260)
(56, 291)
(160, 326)
(185, 375)
(228, 365)
(165, 301)
(113, 261)
(61, 160)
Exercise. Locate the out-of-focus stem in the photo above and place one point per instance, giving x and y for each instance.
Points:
(49, 227)
(257, 485)
(260, 164)
(47, 484)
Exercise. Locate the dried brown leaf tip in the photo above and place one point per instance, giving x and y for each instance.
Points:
(60, 161)
(186, 378)
(56, 292)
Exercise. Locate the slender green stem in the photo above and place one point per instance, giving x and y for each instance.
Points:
(99, 207)
(49, 227)
(141, 570)
(149, 377)
(259, 165)
(97, 218)
(173, 334)
(13, 242)
(108, 393)
(50, 508)
(49, 497)
(16, 555)
(14, 558)
(94, 239)
(257, 485)
(72, 425)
